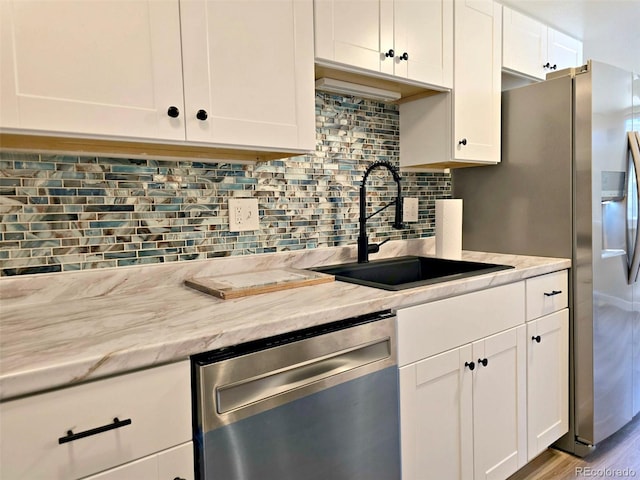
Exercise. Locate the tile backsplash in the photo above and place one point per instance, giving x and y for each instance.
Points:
(61, 213)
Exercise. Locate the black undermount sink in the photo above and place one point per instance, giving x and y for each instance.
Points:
(408, 272)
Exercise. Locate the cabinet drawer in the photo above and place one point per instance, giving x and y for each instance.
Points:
(175, 463)
(157, 401)
(428, 329)
(547, 294)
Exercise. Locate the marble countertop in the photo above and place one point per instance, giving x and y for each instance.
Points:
(58, 330)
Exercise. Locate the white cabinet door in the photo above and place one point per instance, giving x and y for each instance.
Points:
(547, 380)
(532, 48)
(563, 50)
(248, 72)
(499, 405)
(524, 44)
(435, 415)
(424, 33)
(348, 32)
(407, 39)
(98, 67)
(477, 81)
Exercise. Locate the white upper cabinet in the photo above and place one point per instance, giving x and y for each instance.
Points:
(477, 81)
(533, 49)
(208, 72)
(248, 72)
(99, 67)
(563, 51)
(406, 39)
(348, 32)
(423, 41)
(462, 127)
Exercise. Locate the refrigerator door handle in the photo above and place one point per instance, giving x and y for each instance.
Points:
(634, 147)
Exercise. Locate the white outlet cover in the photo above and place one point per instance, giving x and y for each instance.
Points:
(243, 214)
(409, 209)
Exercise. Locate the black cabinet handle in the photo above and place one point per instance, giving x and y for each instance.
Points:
(404, 56)
(552, 293)
(173, 112)
(202, 115)
(70, 437)
(390, 53)
(462, 142)
(471, 365)
(537, 339)
(554, 67)
(549, 66)
(483, 361)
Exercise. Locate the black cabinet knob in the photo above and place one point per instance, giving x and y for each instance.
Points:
(173, 112)
(462, 142)
(554, 67)
(404, 56)
(390, 53)
(552, 293)
(546, 65)
(536, 339)
(483, 361)
(202, 115)
(471, 365)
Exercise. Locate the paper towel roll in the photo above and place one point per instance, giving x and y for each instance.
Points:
(449, 228)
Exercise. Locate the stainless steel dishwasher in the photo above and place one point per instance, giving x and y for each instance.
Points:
(320, 403)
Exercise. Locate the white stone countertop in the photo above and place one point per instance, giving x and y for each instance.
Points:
(61, 329)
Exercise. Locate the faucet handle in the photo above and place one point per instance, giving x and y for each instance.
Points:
(375, 247)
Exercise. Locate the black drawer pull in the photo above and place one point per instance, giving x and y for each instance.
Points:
(554, 292)
(483, 361)
(70, 437)
(471, 365)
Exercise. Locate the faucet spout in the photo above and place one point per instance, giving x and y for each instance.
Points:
(363, 240)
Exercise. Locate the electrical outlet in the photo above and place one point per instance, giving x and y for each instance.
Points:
(409, 209)
(243, 214)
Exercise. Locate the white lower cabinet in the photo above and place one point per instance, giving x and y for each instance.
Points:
(436, 417)
(463, 385)
(172, 464)
(129, 422)
(499, 404)
(483, 380)
(547, 380)
(463, 411)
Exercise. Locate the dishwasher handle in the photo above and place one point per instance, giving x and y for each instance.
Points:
(236, 395)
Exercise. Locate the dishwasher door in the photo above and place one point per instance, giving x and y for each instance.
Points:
(317, 404)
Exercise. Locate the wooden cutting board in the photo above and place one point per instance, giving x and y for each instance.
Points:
(253, 283)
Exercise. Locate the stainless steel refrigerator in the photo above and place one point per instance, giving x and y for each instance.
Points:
(567, 187)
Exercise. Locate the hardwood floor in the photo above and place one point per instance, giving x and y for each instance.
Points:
(620, 451)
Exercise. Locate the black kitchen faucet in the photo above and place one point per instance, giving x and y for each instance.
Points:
(364, 248)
